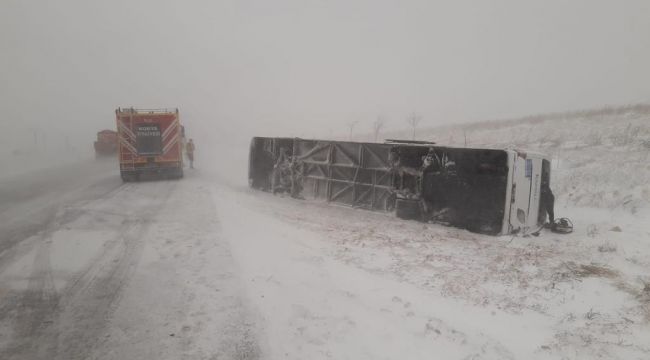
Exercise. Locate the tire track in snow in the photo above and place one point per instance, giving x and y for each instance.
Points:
(19, 233)
(66, 325)
(185, 299)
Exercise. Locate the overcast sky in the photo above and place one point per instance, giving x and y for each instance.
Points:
(306, 68)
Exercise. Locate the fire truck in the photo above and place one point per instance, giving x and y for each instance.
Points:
(106, 143)
(150, 143)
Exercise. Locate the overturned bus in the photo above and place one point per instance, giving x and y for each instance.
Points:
(486, 191)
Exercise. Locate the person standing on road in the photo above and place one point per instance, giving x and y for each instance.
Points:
(189, 149)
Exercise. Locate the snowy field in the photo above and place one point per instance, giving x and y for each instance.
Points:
(204, 268)
(365, 285)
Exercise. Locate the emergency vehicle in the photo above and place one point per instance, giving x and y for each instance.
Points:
(106, 143)
(150, 143)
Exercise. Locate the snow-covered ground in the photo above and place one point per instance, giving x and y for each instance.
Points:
(25, 161)
(601, 159)
(119, 271)
(204, 268)
(333, 282)
(345, 283)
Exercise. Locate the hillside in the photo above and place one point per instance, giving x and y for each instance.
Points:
(600, 157)
(355, 276)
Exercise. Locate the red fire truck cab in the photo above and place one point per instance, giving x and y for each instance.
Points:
(150, 143)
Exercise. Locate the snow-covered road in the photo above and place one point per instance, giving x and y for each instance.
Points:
(91, 268)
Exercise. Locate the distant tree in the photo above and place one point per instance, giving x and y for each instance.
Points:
(377, 125)
(351, 126)
(413, 120)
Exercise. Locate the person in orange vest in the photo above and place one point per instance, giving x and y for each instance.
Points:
(189, 149)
